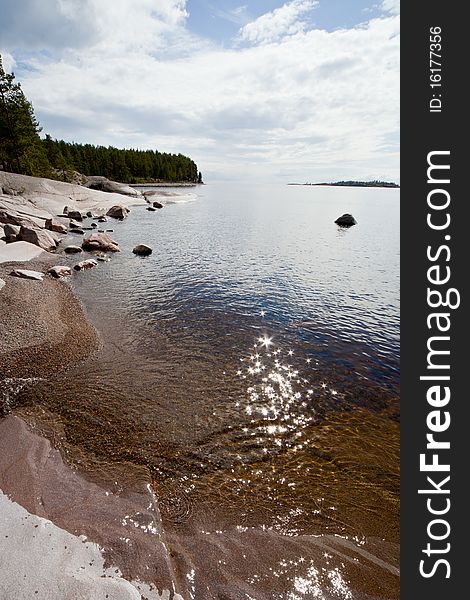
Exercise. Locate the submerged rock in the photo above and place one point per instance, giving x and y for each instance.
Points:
(27, 274)
(38, 237)
(72, 249)
(100, 241)
(346, 220)
(85, 264)
(142, 250)
(60, 271)
(118, 212)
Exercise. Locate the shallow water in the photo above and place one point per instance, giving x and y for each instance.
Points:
(249, 369)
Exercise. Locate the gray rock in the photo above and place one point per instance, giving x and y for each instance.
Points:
(118, 212)
(97, 182)
(60, 271)
(100, 241)
(346, 220)
(89, 214)
(142, 250)
(54, 225)
(157, 204)
(27, 274)
(9, 191)
(38, 237)
(85, 264)
(11, 232)
(72, 249)
(75, 214)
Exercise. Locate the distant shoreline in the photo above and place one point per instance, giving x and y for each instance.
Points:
(381, 184)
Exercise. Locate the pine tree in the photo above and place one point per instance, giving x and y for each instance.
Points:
(21, 150)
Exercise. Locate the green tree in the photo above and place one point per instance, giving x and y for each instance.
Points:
(21, 149)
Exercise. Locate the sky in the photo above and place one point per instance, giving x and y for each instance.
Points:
(303, 90)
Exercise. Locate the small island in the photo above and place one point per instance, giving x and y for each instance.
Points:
(375, 183)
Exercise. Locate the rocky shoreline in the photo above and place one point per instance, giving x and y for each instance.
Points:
(45, 504)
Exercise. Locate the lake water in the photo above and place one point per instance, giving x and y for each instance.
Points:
(249, 370)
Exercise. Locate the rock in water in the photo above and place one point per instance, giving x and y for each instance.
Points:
(72, 249)
(103, 219)
(85, 264)
(60, 271)
(75, 214)
(54, 225)
(26, 274)
(157, 204)
(118, 212)
(75, 225)
(142, 250)
(38, 237)
(100, 241)
(94, 225)
(77, 230)
(346, 220)
(151, 208)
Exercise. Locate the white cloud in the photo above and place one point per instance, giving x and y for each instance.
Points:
(283, 21)
(391, 6)
(321, 105)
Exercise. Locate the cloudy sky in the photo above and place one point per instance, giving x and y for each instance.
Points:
(302, 90)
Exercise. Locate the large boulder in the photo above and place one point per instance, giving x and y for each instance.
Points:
(142, 250)
(60, 271)
(100, 241)
(118, 212)
(38, 237)
(85, 264)
(27, 274)
(97, 182)
(346, 220)
(54, 225)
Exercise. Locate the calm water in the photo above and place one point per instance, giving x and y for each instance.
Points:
(249, 369)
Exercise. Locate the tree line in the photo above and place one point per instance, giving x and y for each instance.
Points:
(22, 150)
